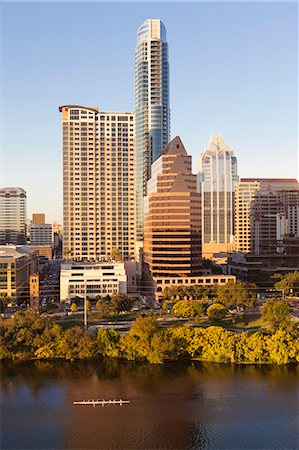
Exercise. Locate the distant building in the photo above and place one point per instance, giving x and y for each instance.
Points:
(266, 210)
(43, 250)
(38, 218)
(217, 177)
(17, 263)
(34, 291)
(152, 105)
(12, 216)
(41, 234)
(92, 279)
(172, 221)
(99, 194)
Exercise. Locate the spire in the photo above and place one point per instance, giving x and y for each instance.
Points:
(175, 147)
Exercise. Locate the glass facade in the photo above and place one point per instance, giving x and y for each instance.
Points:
(217, 177)
(152, 110)
(12, 216)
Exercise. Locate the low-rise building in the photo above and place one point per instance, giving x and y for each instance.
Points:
(92, 279)
(206, 280)
(17, 263)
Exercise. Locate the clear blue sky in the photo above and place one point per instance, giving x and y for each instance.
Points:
(233, 69)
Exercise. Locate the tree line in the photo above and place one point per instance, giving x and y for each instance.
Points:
(29, 336)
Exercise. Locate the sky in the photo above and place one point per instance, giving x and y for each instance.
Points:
(233, 69)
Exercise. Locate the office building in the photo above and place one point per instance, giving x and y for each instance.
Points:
(172, 222)
(17, 263)
(99, 200)
(152, 110)
(92, 279)
(217, 177)
(267, 210)
(41, 234)
(12, 216)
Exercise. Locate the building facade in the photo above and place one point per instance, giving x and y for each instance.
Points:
(92, 280)
(172, 222)
(152, 108)
(217, 177)
(41, 234)
(38, 218)
(99, 196)
(267, 210)
(13, 203)
(17, 263)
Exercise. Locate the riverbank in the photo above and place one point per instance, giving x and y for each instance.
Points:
(31, 337)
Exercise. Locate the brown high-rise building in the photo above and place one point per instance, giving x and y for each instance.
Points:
(172, 221)
(38, 218)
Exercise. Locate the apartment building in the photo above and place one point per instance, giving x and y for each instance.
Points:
(99, 200)
(152, 104)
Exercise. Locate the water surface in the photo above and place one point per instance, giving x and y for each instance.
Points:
(175, 406)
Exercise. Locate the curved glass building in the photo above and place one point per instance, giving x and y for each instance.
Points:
(152, 112)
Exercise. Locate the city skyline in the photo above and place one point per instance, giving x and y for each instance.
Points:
(238, 102)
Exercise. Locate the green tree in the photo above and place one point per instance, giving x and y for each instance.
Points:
(103, 308)
(216, 311)
(189, 308)
(116, 254)
(121, 303)
(88, 305)
(74, 307)
(4, 299)
(136, 344)
(277, 314)
(287, 282)
(107, 343)
(236, 294)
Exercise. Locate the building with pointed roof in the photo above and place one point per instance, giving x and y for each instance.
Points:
(172, 222)
(217, 177)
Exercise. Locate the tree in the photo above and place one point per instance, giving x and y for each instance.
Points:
(216, 311)
(4, 301)
(236, 294)
(276, 313)
(121, 302)
(88, 305)
(107, 343)
(103, 308)
(287, 282)
(74, 307)
(189, 308)
(116, 254)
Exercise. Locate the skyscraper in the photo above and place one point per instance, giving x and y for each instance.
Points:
(12, 216)
(152, 111)
(266, 210)
(172, 225)
(99, 201)
(217, 176)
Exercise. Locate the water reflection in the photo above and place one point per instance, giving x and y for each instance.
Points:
(181, 405)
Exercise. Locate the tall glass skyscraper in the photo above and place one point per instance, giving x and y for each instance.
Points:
(152, 112)
(217, 177)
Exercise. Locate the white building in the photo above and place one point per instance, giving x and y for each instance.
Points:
(92, 279)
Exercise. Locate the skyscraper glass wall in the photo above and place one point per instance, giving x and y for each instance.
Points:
(217, 176)
(152, 112)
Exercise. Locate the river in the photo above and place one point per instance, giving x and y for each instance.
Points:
(174, 406)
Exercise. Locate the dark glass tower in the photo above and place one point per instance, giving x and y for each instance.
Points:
(152, 112)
